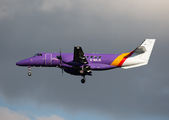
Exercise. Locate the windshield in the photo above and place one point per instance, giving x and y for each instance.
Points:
(37, 55)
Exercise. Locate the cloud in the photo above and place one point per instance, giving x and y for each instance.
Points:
(144, 10)
(53, 117)
(6, 114)
(114, 26)
(51, 5)
(9, 9)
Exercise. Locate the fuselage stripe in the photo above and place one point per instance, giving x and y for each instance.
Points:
(121, 59)
(124, 59)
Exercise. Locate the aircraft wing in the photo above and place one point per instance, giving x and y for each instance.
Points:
(79, 55)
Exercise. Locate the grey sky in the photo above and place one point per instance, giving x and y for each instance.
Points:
(97, 26)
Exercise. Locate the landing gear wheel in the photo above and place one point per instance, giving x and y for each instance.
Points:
(29, 73)
(83, 81)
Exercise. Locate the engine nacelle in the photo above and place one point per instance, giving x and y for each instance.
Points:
(77, 72)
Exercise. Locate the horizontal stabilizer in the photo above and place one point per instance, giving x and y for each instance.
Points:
(140, 49)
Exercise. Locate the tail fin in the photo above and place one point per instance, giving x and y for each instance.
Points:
(140, 56)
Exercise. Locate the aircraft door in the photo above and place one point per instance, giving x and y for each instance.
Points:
(48, 59)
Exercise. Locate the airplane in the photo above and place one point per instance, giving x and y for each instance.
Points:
(79, 63)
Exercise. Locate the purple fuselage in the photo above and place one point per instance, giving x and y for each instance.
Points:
(95, 61)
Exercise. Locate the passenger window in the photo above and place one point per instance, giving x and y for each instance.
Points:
(91, 56)
(95, 56)
(87, 56)
(99, 56)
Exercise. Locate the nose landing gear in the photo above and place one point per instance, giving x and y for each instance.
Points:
(29, 71)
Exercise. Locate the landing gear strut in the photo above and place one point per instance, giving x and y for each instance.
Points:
(29, 71)
(83, 80)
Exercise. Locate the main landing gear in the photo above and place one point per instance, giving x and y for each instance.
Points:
(29, 71)
(83, 80)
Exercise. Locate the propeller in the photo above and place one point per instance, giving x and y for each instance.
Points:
(60, 58)
(62, 71)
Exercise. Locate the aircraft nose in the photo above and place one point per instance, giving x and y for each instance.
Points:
(23, 62)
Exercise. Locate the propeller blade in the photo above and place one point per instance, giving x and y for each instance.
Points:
(62, 72)
(60, 58)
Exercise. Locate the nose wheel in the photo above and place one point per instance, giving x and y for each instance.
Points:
(83, 80)
(29, 71)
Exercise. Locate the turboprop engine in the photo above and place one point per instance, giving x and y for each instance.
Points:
(85, 70)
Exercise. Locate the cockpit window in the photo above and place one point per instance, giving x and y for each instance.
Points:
(37, 55)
